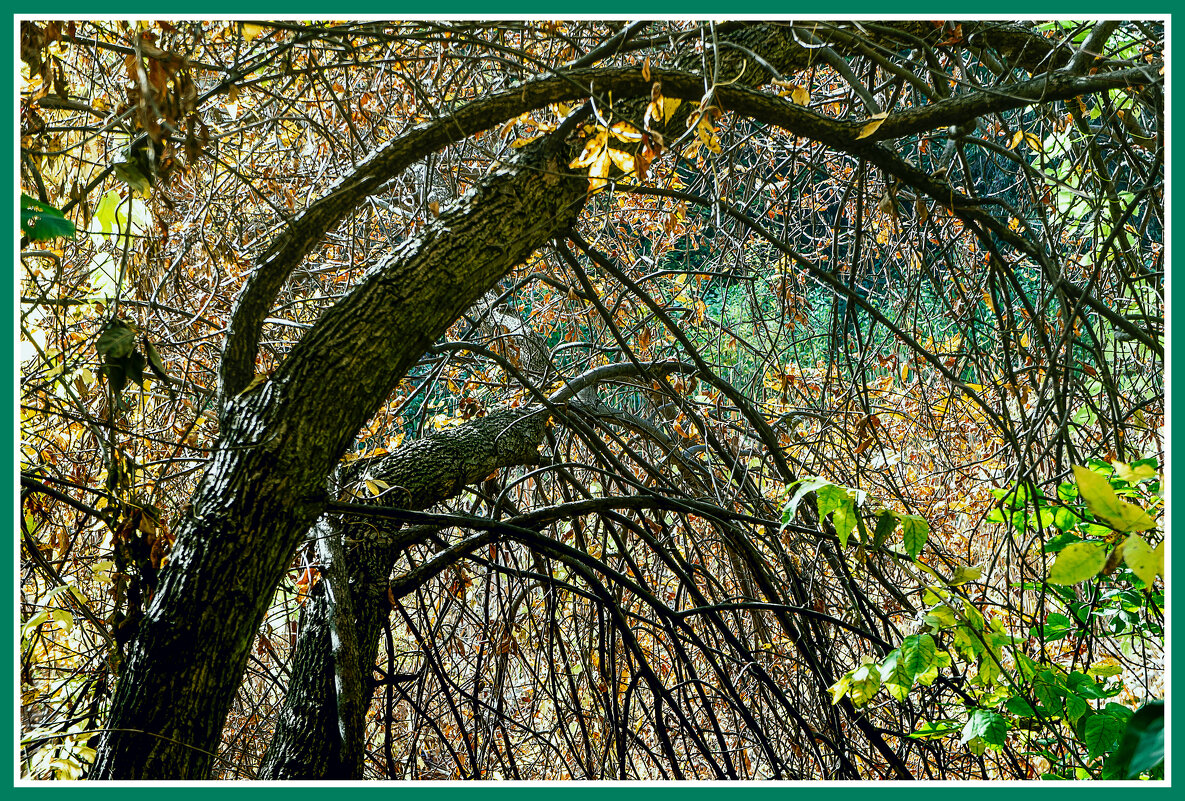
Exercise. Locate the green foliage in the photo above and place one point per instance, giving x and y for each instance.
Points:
(1141, 748)
(41, 221)
(1037, 702)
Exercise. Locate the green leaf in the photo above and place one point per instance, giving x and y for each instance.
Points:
(897, 680)
(830, 497)
(942, 660)
(1078, 562)
(840, 688)
(41, 221)
(1084, 685)
(1141, 749)
(116, 375)
(1020, 707)
(965, 573)
(1059, 542)
(918, 652)
(991, 727)
(1145, 562)
(1102, 501)
(914, 533)
(158, 367)
(116, 341)
(1047, 690)
(884, 527)
(844, 518)
(131, 175)
(866, 680)
(804, 487)
(941, 617)
(939, 728)
(133, 366)
(1101, 733)
(1075, 706)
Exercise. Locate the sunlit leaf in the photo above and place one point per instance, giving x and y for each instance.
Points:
(965, 573)
(1133, 475)
(915, 531)
(1143, 560)
(918, 652)
(1102, 501)
(1078, 562)
(874, 122)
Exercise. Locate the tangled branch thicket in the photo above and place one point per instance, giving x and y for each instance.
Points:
(644, 595)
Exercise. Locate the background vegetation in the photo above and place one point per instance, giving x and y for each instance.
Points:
(817, 431)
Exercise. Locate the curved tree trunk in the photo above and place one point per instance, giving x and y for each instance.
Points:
(265, 484)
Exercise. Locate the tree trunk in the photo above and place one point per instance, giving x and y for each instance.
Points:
(313, 739)
(265, 484)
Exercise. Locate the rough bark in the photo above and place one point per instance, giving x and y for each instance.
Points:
(265, 484)
(312, 738)
(266, 480)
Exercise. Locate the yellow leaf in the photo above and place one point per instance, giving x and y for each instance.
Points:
(593, 149)
(1145, 562)
(1078, 562)
(625, 132)
(874, 122)
(1107, 666)
(801, 96)
(706, 133)
(646, 69)
(623, 160)
(376, 486)
(669, 104)
(251, 31)
(1033, 141)
(1016, 139)
(1133, 475)
(1102, 501)
(599, 170)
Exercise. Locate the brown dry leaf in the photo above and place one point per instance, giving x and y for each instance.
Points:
(646, 69)
(874, 122)
(801, 95)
